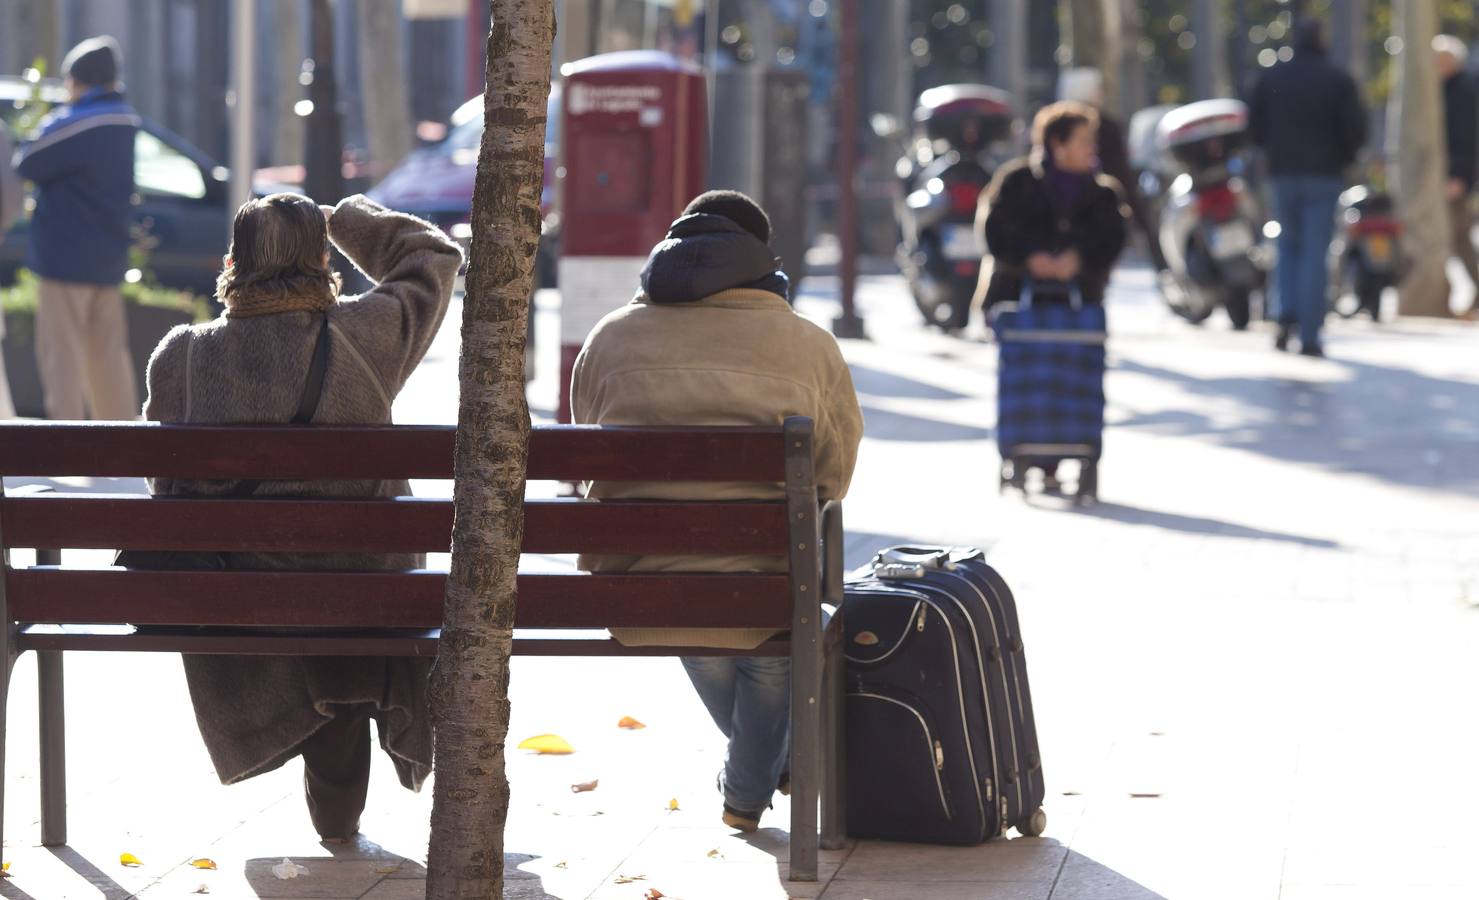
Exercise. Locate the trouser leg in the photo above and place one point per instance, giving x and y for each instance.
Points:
(1318, 224)
(1286, 284)
(336, 772)
(1463, 241)
(112, 390)
(60, 348)
(759, 741)
(713, 678)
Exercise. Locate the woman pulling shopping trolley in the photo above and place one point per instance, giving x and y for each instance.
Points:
(1053, 225)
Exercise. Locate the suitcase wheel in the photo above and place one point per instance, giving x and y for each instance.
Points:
(1033, 825)
(1088, 484)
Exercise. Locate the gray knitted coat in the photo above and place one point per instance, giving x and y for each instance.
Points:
(254, 711)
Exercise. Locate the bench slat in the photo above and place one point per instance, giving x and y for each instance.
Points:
(417, 643)
(136, 521)
(370, 600)
(564, 453)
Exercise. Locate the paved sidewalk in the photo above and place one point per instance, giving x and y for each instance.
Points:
(1252, 663)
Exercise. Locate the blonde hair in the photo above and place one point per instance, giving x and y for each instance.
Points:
(279, 250)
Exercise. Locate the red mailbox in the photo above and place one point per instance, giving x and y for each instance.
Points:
(635, 135)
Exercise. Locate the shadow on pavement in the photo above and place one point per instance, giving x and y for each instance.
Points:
(1132, 515)
(1393, 424)
(106, 886)
(877, 383)
(1085, 877)
(883, 425)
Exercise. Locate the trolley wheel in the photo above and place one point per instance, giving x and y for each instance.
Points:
(1033, 825)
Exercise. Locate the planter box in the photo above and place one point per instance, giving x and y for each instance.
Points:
(146, 326)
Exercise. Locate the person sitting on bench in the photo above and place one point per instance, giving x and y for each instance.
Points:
(284, 318)
(710, 340)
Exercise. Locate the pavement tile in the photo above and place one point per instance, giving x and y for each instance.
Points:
(1032, 860)
(1083, 878)
(972, 890)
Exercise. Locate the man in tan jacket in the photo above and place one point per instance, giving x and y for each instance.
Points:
(711, 340)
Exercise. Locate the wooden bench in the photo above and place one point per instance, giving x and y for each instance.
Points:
(50, 608)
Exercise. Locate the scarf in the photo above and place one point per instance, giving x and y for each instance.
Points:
(300, 294)
(704, 254)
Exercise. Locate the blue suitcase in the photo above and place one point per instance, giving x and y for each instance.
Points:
(1050, 387)
(941, 743)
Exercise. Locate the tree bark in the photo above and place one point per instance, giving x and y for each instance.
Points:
(383, 71)
(1416, 127)
(1093, 39)
(323, 157)
(469, 685)
(287, 136)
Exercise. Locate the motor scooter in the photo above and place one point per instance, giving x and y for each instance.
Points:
(1366, 256)
(960, 133)
(1210, 229)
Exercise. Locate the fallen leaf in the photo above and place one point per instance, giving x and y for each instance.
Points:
(673, 805)
(653, 894)
(628, 879)
(715, 854)
(585, 786)
(547, 743)
(128, 859)
(288, 869)
(203, 863)
(387, 870)
(4, 870)
(562, 865)
(203, 889)
(629, 723)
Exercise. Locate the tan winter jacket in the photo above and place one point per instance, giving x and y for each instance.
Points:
(254, 711)
(739, 357)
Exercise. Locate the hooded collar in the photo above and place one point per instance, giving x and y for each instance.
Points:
(705, 254)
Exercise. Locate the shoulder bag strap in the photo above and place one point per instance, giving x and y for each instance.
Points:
(313, 389)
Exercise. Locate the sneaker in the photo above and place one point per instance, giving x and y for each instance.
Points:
(1281, 341)
(1314, 350)
(749, 823)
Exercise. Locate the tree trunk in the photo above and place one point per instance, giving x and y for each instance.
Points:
(1209, 73)
(469, 685)
(1093, 39)
(324, 154)
(1416, 127)
(287, 135)
(33, 34)
(383, 71)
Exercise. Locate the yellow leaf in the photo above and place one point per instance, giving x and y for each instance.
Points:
(585, 786)
(128, 859)
(387, 870)
(547, 743)
(4, 870)
(628, 879)
(203, 863)
(629, 723)
(562, 865)
(715, 854)
(673, 805)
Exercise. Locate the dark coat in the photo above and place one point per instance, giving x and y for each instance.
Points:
(1461, 114)
(1020, 215)
(82, 163)
(1306, 114)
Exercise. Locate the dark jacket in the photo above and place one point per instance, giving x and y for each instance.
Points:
(82, 163)
(1020, 215)
(1461, 113)
(1307, 116)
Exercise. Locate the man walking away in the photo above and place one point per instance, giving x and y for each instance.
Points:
(82, 165)
(1307, 116)
(1461, 114)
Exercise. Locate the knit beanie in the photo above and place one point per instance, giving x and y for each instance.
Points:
(735, 207)
(93, 62)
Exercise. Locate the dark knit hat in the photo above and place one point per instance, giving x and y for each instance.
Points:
(735, 207)
(93, 62)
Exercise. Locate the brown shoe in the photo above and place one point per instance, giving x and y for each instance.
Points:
(740, 821)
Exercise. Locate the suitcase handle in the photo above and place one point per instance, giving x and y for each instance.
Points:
(923, 558)
(897, 571)
(1071, 288)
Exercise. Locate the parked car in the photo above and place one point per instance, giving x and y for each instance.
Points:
(436, 182)
(182, 202)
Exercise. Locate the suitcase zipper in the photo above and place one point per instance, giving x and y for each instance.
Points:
(937, 752)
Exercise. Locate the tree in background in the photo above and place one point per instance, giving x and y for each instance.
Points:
(288, 135)
(1421, 158)
(323, 156)
(383, 71)
(469, 685)
(1093, 38)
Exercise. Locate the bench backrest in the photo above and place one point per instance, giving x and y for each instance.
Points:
(400, 599)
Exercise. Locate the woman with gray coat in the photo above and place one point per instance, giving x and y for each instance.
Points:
(249, 366)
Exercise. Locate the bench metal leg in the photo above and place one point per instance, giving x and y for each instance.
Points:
(834, 759)
(53, 749)
(806, 647)
(805, 758)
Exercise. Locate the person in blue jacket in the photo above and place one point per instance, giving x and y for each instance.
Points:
(81, 163)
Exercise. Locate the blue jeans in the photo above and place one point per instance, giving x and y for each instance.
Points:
(750, 700)
(1305, 208)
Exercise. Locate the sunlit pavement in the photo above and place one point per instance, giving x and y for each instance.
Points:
(1253, 662)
